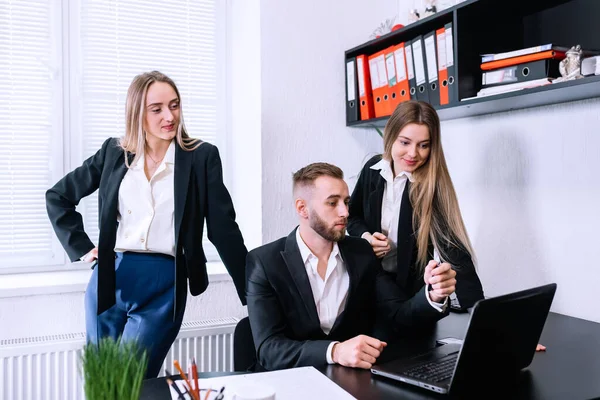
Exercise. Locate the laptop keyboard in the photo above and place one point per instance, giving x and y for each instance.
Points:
(434, 371)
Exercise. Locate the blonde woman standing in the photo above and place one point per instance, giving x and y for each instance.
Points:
(405, 206)
(156, 187)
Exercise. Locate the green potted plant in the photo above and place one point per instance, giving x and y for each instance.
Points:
(113, 370)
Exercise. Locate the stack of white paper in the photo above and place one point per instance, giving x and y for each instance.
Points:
(289, 384)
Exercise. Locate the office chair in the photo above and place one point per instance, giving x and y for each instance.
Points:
(244, 353)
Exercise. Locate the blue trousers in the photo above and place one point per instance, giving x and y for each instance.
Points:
(145, 292)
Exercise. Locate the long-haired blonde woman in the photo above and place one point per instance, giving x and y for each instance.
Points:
(405, 206)
(156, 187)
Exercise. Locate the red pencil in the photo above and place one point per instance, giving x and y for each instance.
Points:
(195, 376)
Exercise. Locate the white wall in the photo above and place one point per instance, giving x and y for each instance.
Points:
(528, 185)
(245, 115)
(52, 314)
(303, 106)
(527, 181)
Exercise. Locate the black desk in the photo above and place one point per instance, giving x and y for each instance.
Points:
(569, 369)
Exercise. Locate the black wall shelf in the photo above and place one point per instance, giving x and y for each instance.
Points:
(550, 94)
(492, 26)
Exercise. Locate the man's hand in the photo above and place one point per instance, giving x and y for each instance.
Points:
(359, 352)
(441, 277)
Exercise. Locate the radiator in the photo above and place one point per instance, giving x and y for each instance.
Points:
(48, 367)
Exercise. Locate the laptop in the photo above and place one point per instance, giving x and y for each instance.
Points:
(500, 341)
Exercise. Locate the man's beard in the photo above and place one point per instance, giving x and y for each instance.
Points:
(320, 226)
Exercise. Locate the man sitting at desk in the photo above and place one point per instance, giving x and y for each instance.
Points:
(312, 296)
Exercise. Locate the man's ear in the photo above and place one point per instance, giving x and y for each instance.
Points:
(301, 207)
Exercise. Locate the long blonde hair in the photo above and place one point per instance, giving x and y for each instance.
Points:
(134, 140)
(436, 215)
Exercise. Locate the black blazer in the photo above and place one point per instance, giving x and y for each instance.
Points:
(283, 316)
(365, 216)
(199, 194)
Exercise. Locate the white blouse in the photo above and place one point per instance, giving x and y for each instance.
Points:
(147, 207)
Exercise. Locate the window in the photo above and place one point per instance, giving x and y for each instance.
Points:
(30, 150)
(64, 86)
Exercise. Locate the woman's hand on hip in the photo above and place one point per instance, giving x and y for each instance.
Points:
(91, 256)
(379, 242)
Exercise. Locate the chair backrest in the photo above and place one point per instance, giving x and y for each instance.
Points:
(244, 353)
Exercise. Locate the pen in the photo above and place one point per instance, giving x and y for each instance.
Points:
(168, 374)
(174, 386)
(192, 393)
(185, 391)
(220, 395)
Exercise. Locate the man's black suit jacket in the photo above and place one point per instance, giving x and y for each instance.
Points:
(199, 194)
(282, 312)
